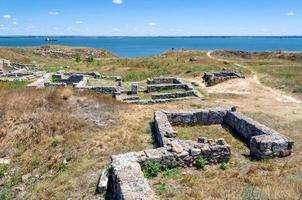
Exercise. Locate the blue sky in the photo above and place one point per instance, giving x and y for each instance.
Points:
(150, 17)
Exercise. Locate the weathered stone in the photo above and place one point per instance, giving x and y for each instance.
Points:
(176, 147)
(217, 77)
(195, 152)
(103, 181)
(134, 88)
(202, 140)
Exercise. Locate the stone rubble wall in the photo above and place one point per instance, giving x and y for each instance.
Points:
(69, 79)
(198, 117)
(126, 179)
(173, 95)
(22, 66)
(263, 141)
(163, 131)
(40, 83)
(215, 78)
(104, 90)
(163, 80)
(157, 88)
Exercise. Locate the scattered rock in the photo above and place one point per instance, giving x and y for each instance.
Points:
(176, 147)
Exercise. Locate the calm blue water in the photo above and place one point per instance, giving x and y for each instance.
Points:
(146, 46)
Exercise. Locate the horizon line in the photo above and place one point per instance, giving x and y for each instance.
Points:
(208, 36)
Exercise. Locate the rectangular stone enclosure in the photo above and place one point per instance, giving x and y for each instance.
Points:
(262, 141)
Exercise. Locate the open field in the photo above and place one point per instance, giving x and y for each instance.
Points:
(59, 140)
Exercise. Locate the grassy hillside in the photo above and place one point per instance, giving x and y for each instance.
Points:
(59, 140)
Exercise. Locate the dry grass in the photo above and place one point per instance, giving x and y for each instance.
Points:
(63, 138)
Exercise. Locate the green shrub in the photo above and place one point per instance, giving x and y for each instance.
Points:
(297, 89)
(3, 195)
(202, 163)
(13, 180)
(90, 59)
(151, 169)
(171, 173)
(161, 189)
(78, 58)
(224, 166)
(54, 79)
(55, 143)
(3, 169)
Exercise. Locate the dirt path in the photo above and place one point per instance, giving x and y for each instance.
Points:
(250, 84)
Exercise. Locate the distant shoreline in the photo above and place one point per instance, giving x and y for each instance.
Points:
(75, 36)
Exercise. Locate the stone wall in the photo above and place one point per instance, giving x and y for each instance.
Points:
(213, 78)
(197, 117)
(173, 95)
(263, 141)
(69, 79)
(126, 179)
(22, 66)
(157, 88)
(104, 90)
(164, 80)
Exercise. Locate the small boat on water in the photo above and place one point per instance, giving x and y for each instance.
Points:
(50, 40)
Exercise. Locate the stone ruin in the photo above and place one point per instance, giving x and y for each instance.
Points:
(214, 78)
(11, 71)
(125, 178)
(77, 80)
(160, 84)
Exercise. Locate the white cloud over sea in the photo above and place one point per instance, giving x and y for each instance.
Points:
(117, 1)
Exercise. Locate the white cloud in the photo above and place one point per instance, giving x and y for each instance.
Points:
(7, 16)
(290, 13)
(15, 23)
(117, 1)
(79, 22)
(152, 24)
(53, 13)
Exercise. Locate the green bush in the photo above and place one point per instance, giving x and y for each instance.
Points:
(3, 195)
(54, 79)
(78, 58)
(161, 189)
(224, 166)
(171, 173)
(3, 169)
(90, 59)
(55, 143)
(202, 163)
(13, 180)
(297, 89)
(151, 169)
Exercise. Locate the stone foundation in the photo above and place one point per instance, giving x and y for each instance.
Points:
(162, 87)
(164, 80)
(262, 141)
(213, 78)
(174, 95)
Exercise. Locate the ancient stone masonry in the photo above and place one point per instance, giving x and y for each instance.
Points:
(126, 180)
(181, 91)
(78, 80)
(10, 71)
(213, 78)
(262, 140)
